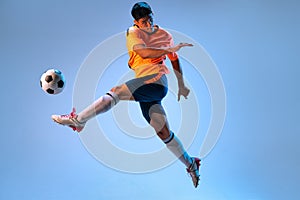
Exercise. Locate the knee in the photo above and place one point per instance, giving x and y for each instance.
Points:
(122, 92)
(116, 90)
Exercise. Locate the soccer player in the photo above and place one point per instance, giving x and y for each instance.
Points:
(148, 46)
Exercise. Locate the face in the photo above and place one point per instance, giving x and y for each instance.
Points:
(145, 22)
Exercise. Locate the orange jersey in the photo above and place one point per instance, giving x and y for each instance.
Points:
(157, 39)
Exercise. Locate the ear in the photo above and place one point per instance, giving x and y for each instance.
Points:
(135, 22)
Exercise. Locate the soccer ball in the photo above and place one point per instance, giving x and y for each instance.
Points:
(52, 81)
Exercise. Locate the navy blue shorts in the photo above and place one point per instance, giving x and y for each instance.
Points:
(149, 95)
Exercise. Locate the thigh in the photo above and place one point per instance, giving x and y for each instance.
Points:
(149, 108)
(148, 92)
(123, 92)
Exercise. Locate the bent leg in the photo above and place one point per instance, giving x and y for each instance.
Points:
(160, 124)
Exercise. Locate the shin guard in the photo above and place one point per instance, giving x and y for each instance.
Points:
(101, 105)
(176, 147)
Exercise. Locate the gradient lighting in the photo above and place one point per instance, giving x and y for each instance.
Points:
(255, 46)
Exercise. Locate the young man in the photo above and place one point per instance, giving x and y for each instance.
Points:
(148, 46)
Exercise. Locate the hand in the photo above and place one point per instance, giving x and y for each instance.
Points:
(183, 91)
(179, 46)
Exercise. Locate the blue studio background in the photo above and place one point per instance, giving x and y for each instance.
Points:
(255, 45)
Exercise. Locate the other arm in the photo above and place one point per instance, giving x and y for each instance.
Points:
(182, 89)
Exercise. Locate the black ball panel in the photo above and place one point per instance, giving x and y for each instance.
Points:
(60, 84)
(48, 78)
(50, 91)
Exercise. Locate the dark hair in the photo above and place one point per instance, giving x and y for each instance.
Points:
(140, 10)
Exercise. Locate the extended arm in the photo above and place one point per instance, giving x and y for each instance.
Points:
(151, 52)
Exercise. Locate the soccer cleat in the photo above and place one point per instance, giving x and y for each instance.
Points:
(193, 170)
(69, 120)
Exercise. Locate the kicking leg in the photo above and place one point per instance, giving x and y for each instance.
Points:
(160, 124)
(105, 102)
(101, 105)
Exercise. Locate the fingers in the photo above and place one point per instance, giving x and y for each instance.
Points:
(179, 95)
(185, 95)
(184, 44)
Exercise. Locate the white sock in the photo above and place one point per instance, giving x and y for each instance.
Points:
(101, 105)
(176, 147)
